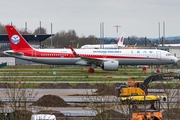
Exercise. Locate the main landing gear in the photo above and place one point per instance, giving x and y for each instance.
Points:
(91, 70)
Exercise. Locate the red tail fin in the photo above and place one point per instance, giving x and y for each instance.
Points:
(16, 40)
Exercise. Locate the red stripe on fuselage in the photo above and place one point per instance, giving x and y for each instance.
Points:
(32, 53)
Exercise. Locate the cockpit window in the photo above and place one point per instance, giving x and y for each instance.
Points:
(168, 54)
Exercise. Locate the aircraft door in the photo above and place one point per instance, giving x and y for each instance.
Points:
(104, 54)
(158, 55)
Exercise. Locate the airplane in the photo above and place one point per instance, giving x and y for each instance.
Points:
(106, 46)
(107, 59)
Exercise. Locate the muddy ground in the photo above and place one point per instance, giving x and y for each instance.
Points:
(56, 101)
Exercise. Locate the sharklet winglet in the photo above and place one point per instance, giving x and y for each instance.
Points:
(73, 51)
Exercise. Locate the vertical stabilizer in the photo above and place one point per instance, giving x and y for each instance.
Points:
(16, 40)
(121, 40)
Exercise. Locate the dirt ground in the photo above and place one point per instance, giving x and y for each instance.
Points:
(56, 101)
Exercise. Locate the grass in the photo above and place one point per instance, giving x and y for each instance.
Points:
(24, 85)
(67, 79)
(37, 70)
(44, 73)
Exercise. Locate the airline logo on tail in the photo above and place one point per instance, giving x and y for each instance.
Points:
(121, 40)
(15, 39)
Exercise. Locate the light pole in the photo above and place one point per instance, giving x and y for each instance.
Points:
(102, 35)
(117, 26)
(51, 35)
(72, 41)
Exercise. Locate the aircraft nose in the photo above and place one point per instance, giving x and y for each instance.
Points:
(175, 60)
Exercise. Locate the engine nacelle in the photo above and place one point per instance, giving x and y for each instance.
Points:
(110, 65)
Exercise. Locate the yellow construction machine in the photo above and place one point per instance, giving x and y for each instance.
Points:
(141, 105)
(136, 88)
(144, 107)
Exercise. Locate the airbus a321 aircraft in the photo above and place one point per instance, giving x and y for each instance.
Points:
(106, 46)
(107, 59)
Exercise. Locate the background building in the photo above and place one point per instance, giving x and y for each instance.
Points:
(34, 40)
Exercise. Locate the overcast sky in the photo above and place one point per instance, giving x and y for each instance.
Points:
(137, 17)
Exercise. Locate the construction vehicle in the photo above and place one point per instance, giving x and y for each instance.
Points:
(141, 105)
(136, 88)
(132, 88)
(144, 107)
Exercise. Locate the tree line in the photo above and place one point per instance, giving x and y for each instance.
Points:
(60, 39)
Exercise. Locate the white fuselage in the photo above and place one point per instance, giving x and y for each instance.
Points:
(107, 59)
(123, 56)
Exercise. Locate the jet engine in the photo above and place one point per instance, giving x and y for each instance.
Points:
(110, 65)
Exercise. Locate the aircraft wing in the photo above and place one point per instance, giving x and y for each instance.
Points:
(92, 60)
(89, 60)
